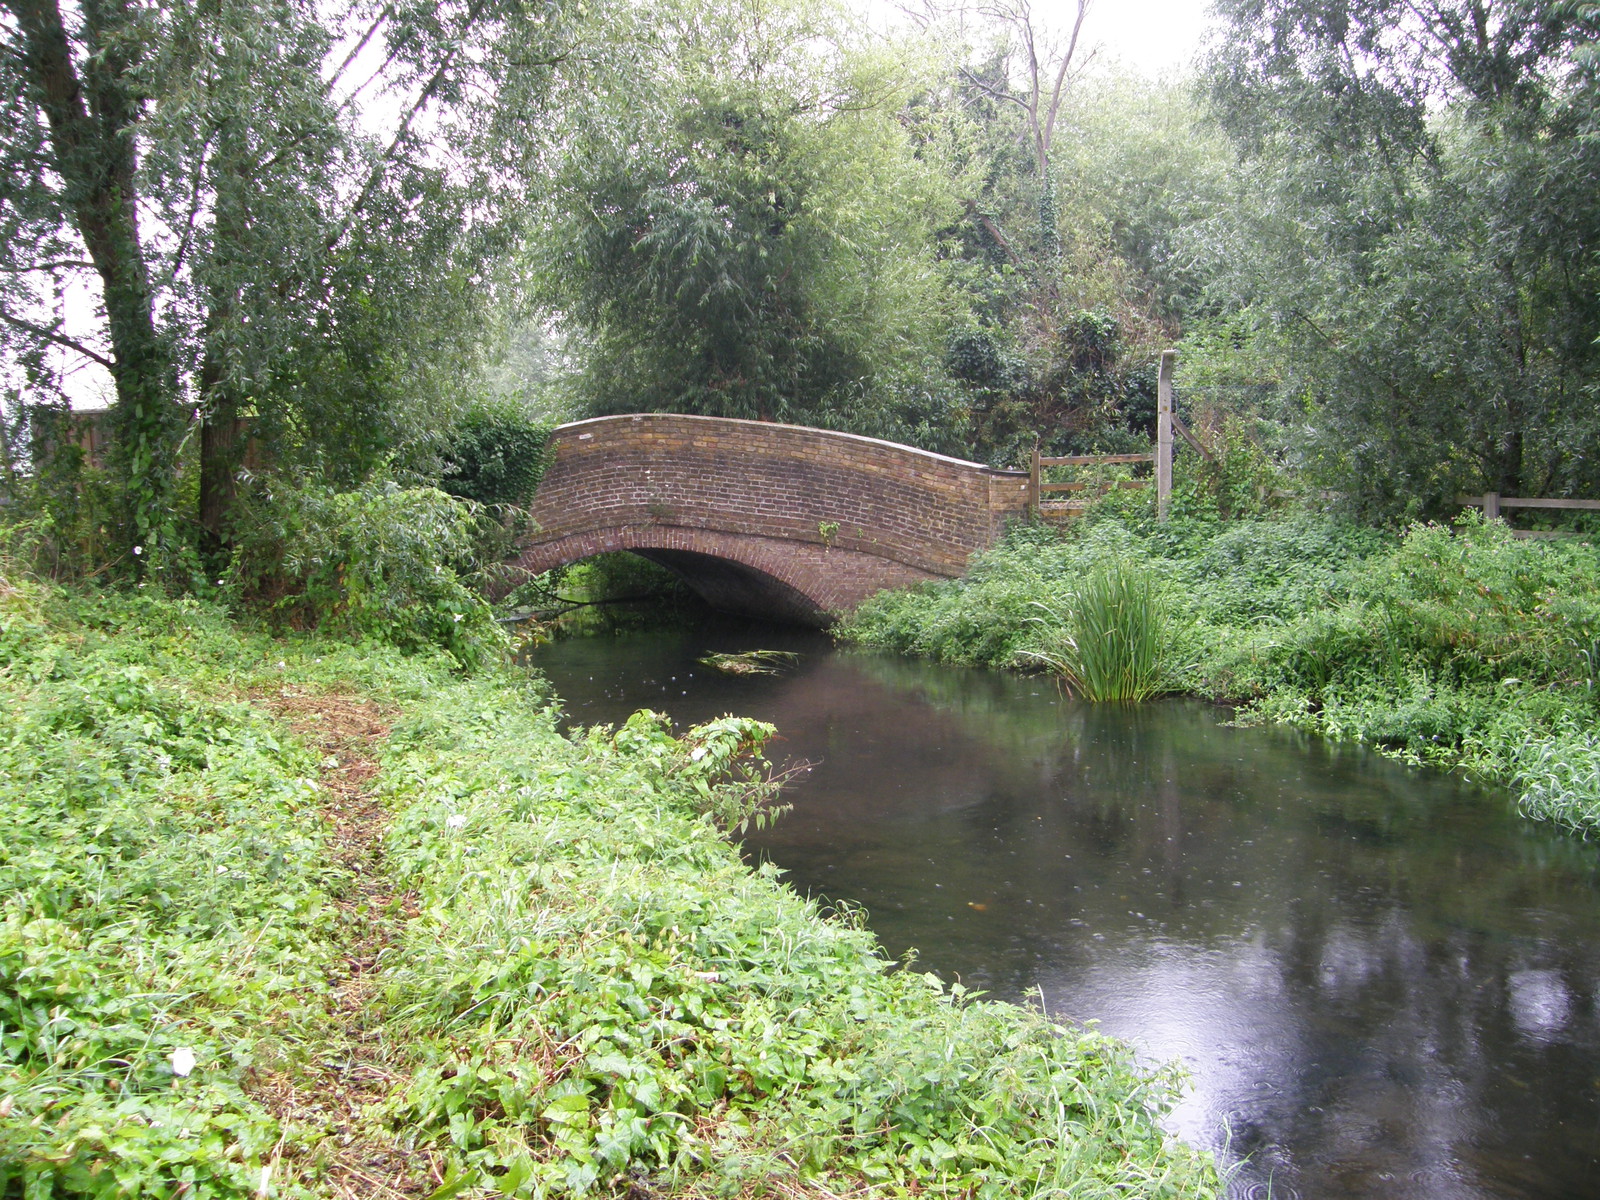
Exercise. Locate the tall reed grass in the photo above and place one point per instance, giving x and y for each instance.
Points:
(1105, 635)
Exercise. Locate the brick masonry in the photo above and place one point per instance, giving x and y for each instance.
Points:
(825, 518)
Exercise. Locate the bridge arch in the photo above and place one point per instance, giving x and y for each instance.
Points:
(763, 519)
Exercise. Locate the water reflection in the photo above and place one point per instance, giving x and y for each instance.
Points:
(1381, 983)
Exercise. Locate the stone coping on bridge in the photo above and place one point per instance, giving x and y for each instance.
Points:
(898, 448)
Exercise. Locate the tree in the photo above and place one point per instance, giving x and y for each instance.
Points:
(259, 253)
(72, 195)
(1419, 230)
(1037, 68)
(751, 235)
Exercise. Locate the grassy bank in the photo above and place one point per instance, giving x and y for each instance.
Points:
(295, 918)
(1454, 647)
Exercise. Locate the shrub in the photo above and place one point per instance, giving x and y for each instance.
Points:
(496, 456)
(1265, 571)
(384, 563)
(1475, 603)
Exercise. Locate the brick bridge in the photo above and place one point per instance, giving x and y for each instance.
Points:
(769, 520)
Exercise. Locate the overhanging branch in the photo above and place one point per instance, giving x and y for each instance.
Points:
(57, 338)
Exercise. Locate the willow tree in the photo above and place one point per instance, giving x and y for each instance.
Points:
(256, 249)
(749, 232)
(1420, 229)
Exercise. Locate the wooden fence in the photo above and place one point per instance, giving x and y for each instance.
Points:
(1493, 504)
(1167, 423)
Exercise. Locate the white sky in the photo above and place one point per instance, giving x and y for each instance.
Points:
(1152, 35)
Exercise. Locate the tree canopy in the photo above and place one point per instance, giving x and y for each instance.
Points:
(1419, 227)
(304, 232)
(751, 234)
(259, 253)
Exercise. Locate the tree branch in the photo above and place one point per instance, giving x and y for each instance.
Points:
(59, 339)
(61, 264)
(993, 231)
(375, 177)
(182, 252)
(1049, 124)
(988, 89)
(384, 14)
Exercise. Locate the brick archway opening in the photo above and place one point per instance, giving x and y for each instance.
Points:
(768, 578)
(734, 587)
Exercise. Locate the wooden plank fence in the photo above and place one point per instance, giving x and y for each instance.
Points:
(1167, 423)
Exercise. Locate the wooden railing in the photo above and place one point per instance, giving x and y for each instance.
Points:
(1166, 423)
(1039, 488)
(1493, 502)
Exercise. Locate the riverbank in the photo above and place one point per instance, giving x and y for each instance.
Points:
(1465, 648)
(297, 918)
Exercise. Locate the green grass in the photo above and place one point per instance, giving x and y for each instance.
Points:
(572, 985)
(1105, 635)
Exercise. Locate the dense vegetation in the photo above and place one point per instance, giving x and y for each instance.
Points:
(335, 269)
(1452, 647)
(287, 916)
(390, 240)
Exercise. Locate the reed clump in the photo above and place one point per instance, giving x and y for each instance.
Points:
(1105, 635)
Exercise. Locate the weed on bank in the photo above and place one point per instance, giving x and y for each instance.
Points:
(1451, 646)
(536, 965)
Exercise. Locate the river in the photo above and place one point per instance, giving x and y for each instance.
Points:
(1380, 982)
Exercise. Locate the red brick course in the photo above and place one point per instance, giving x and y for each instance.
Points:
(833, 516)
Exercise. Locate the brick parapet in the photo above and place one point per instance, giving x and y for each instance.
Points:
(832, 517)
(802, 485)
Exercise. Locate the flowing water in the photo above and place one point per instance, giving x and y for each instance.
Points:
(1381, 983)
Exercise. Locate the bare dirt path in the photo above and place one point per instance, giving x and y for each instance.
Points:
(335, 1095)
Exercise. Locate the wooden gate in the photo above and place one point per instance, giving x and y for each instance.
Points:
(1167, 422)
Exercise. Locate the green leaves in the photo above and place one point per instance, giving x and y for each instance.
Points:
(384, 562)
(1405, 229)
(751, 242)
(163, 894)
(1108, 633)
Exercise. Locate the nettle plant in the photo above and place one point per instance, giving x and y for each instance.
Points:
(721, 762)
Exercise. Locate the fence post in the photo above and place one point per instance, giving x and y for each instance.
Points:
(1491, 505)
(1164, 433)
(1033, 484)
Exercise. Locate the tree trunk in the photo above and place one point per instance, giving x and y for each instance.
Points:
(221, 448)
(91, 122)
(220, 444)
